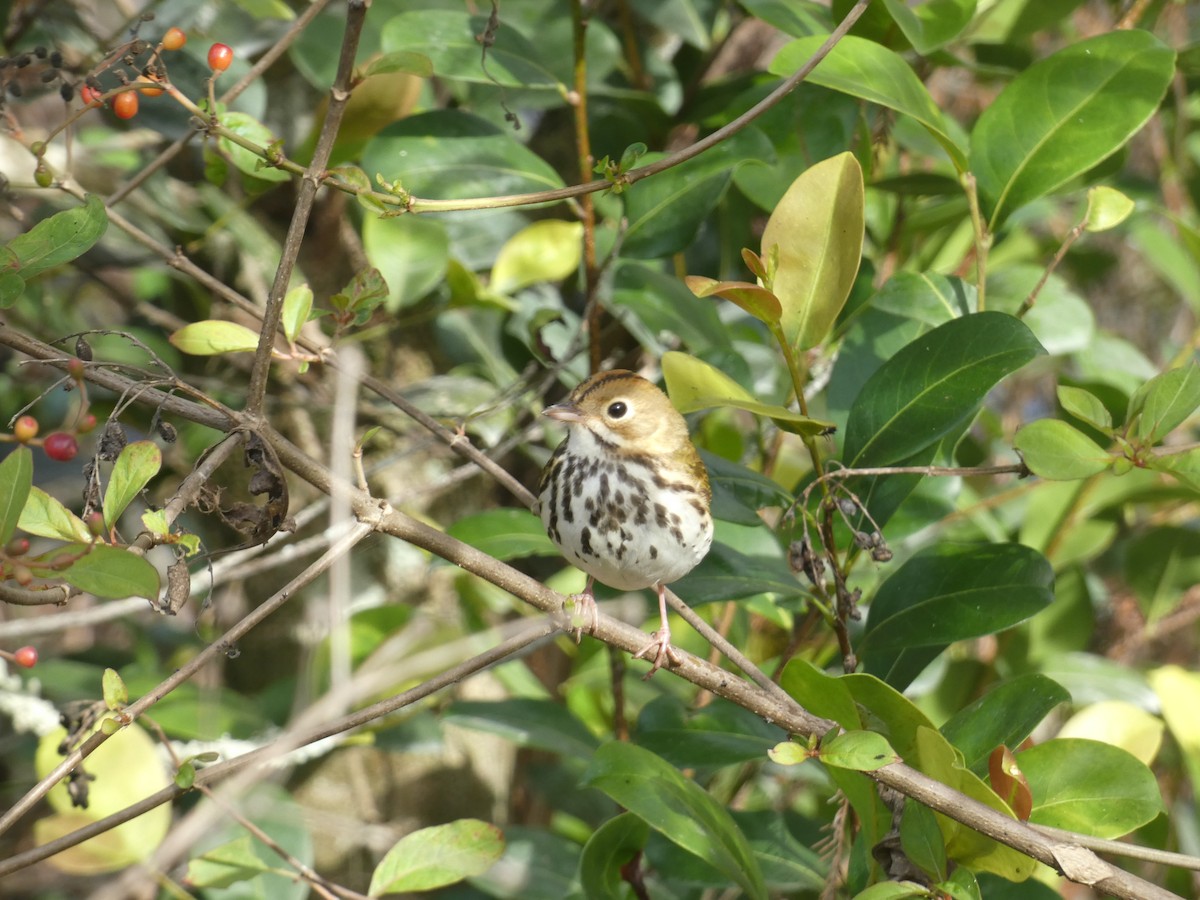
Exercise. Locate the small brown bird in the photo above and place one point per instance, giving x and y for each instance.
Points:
(626, 497)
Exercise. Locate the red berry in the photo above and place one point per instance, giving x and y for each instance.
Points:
(26, 656)
(89, 95)
(219, 57)
(174, 39)
(95, 523)
(26, 429)
(17, 547)
(86, 424)
(125, 105)
(60, 446)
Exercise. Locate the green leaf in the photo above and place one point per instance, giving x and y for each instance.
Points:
(821, 694)
(213, 337)
(506, 534)
(12, 286)
(448, 39)
(297, 304)
(1161, 565)
(1057, 451)
(863, 751)
(46, 517)
(1106, 208)
(932, 24)
(947, 593)
(739, 493)
(1005, 715)
(1183, 466)
(789, 753)
(728, 574)
(226, 864)
(1085, 406)
(450, 154)
(116, 694)
(434, 857)
(1165, 402)
(1064, 114)
(59, 239)
(865, 69)
(137, 464)
(398, 61)
(926, 391)
(548, 250)
(757, 301)
(111, 572)
(527, 722)
(665, 211)
(813, 245)
(921, 839)
(1089, 787)
(694, 385)
(610, 848)
(247, 161)
(16, 479)
(678, 808)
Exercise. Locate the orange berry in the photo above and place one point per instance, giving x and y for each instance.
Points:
(219, 57)
(153, 90)
(89, 95)
(26, 656)
(26, 429)
(174, 39)
(125, 106)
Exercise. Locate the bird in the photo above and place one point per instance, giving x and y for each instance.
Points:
(625, 497)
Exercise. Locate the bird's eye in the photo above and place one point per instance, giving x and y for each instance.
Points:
(617, 410)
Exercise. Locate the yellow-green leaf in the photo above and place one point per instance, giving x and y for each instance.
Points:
(814, 237)
(213, 337)
(1106, 208)
(549, 250)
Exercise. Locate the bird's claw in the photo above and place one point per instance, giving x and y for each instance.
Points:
(585, 611)
(660, 643)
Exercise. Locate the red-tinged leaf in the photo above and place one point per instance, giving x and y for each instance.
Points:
(1009, 783)
(757, 301)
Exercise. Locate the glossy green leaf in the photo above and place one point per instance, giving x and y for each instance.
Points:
(58, 239)
(666, 210)
(932, 24)
(1064, 114)
(863, 751)
(739, 493)
(297, 304)
(727, 574)
(226, 864)
(450, 154)
(548, 250)
(212, 337)
(870, 71)
(1089, 787)
(398, 61)
(694, 385)
(1165, 402)
(788, 863)
(1055, 450)
(947, 593)
(247, 161)
(676, 807)
(448, 39)
(527, 723)
(111, 572)
(813, 246)
(1120, 724)
(506, 534)
(962, 885)
(931, 385)
(1005, 715)
(1085, 406)
(921, 839)
(137, 464)
(436, 856)
(719, 735)
(411, 254)
(1106, 208)
(45, 516)
(611, 847)
(821, 694)
(1183, 466)
(757, 301)
(16, 479)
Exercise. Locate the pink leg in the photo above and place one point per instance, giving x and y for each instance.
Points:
(585, 610)
(660, 641)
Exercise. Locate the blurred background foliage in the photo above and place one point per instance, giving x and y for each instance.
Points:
(482, 322)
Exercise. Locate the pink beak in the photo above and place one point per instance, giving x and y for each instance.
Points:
(563, 412)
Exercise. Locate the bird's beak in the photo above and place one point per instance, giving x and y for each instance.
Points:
(563, 412)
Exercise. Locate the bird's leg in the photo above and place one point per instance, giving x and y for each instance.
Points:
(585, 610)
(660, 641)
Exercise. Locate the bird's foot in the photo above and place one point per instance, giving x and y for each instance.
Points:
(583, 612)
(660, 644)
